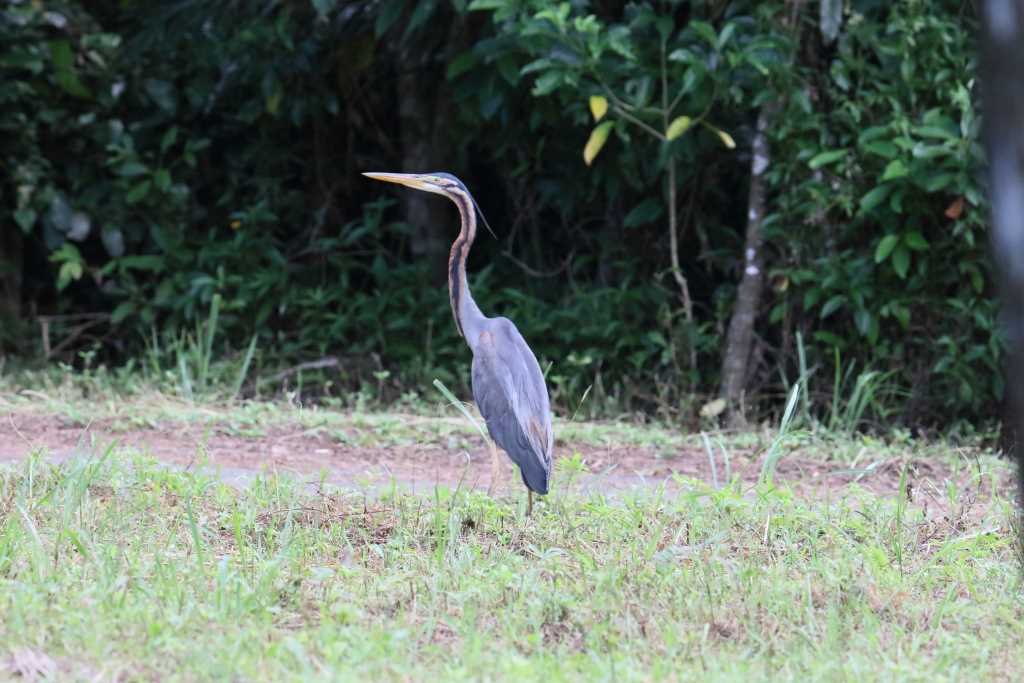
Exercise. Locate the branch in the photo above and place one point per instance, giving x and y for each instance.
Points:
(325, 362)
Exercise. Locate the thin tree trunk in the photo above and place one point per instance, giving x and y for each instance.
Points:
(1003, 92)
(431, 222)
(11, 260)
(677, 272)
(740, 337)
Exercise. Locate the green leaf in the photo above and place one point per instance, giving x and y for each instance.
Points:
(460, 65)
(64, 68)
(323, 7)
(885, 247)
(726, 34)
(678, 126)
(419, 16)
(862, 319)
(69, 271)
(705, 31)
(831, 306)
(546, 83)
(168, 138)
(138, 193)
(825, 158)
(122, 311)
(142, 262)
(536, 65)
(811, 297)
(162, 179)
(874, 197)
(935, 132)
(25, 218)
(895, 169)
(977, 282)
(132, 169)
(901, 261)
(162, 94)
(387, 14)
(508, 68)
(647, 211)
(657, 338)
(923, 151)
(596, 141)
(881, 148)
(915, 241)
(830, 339)
(872, 133)
(665, 26)
(902, 315)
(939, 181)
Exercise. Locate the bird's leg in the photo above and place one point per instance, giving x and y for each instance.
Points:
(495, 469)
(529, 503)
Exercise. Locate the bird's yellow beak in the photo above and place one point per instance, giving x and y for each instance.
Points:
(416, 181)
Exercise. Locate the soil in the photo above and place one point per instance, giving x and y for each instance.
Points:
(315, 456)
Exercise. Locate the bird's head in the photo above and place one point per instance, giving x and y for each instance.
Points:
(438, 183)
(441, 183)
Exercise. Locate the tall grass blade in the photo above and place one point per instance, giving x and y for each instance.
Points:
(244, 370)
(580, 405)
(726, 459)
(186, 380)
(901, 504)
(836, 384)
(711, 459)
(458, 404)
(207, 341)
(801, 354)
(197, 539)
(771, 459)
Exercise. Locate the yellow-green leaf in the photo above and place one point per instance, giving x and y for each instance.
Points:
(598, 107)
(598, 137)
(713, 409)
(274, 101)
(725, 137)
(678, 126)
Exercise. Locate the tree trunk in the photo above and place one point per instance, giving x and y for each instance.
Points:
(421, 117)
(740, 337)
(1002, 79)
(11, 259)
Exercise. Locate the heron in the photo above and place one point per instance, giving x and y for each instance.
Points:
(508, 385)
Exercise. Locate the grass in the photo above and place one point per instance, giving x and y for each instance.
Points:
(119, 568)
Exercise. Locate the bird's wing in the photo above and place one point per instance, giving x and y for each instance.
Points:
(510, 392)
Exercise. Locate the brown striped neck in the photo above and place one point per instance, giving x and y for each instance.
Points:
(465, 310)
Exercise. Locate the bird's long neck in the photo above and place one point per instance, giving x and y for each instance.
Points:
(468, 317)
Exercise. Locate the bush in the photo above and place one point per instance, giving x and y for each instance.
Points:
(161, 154)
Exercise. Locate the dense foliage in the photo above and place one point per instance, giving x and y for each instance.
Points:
(158, 154)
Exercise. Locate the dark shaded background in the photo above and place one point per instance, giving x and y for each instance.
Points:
(157, 155)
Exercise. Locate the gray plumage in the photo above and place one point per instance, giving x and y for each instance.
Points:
(509, 390)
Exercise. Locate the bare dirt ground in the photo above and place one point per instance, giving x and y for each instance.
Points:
(421, 464)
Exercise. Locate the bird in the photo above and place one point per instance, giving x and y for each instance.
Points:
(507, 382)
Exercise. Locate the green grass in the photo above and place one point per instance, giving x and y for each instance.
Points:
(122, 569)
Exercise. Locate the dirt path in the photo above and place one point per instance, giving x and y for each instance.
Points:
(312, 453)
